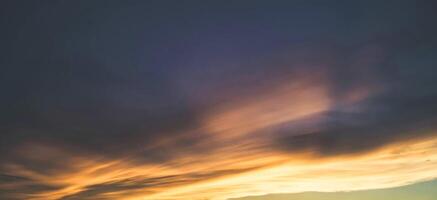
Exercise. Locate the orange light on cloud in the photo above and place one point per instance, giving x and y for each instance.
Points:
(286, 103)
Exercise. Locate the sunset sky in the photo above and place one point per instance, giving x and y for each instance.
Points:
(218, 100)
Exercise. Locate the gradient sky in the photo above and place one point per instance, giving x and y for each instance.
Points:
(212, 100)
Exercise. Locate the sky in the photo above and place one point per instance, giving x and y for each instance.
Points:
(217, 100)
(420, 191)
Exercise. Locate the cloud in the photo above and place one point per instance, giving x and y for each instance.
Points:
(208, 105)
(17, 187)
(382, 121)
(127, 139)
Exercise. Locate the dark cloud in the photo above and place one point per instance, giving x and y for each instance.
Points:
(87, 105)
(17, 187)
(384, 120)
